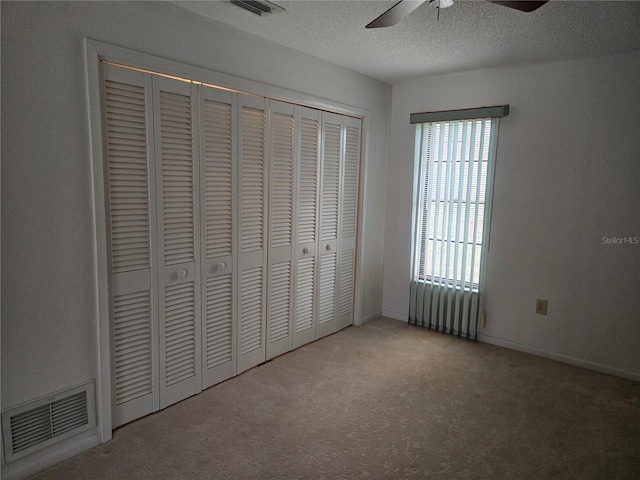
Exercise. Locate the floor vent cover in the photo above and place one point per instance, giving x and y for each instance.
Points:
(47, 420)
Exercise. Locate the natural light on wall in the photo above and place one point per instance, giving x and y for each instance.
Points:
(453, 171)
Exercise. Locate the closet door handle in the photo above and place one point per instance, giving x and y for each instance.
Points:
(182, 273)
(305, 250)
(222, 266)
(328, 247)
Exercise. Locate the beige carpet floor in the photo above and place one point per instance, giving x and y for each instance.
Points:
(386, 400)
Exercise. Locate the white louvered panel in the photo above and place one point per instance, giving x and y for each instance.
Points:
(177, 178)
(281, 191)
(132, 346)
(180, 331)
(345, 289)
(252, 254)
(253, 151)
(282, 177)
(350, 182)
(348, 221)
(330, 181)
(218, 321)
(251, 310)
(218, 179)
(304, 294)
(218, 140)
(326, 297)
(128, 176)
(130, 186)
(308, 180)
(280, 301)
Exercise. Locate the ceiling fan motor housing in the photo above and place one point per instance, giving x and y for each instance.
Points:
(440, 3)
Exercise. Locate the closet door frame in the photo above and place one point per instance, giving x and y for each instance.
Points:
(97, 52)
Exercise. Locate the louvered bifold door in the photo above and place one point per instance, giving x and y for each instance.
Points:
(131, 223)
(218, 201)
(282, 146)
(329, 224)
(306, 215)
(178, 239)
(252, 231)
(348, 219)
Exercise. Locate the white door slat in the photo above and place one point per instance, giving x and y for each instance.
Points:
(177, 183)
(131, 221)
(306, 225)
(348, 221)
(282, 156)
(252, 213)
(218, 138)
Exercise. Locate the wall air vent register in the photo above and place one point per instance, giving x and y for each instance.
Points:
(50, 419)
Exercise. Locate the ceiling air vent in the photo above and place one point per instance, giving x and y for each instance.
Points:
(259, 7)
(47, 420)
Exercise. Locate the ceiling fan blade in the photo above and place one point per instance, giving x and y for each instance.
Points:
(523, 6)
(395, 13)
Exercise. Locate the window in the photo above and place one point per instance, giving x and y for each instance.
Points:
(453, 171)
(452, 163)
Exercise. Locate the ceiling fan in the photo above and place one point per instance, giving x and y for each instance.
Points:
(405, 7)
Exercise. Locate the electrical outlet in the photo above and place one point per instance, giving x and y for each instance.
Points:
(541, 307)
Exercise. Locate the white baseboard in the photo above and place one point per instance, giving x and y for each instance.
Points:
(50, 456)
(560, 358)
(368, 318)
(395, 315)
(635, 376)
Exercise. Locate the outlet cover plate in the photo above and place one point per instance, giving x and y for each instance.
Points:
(541, 307)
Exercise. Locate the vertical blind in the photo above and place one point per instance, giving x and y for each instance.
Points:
(452, 175)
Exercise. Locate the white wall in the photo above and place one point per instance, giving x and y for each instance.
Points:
(568, 174)
(49, 331)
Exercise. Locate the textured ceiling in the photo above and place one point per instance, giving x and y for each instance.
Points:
(471, 34)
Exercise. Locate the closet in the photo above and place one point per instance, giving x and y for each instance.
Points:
(231, 225)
